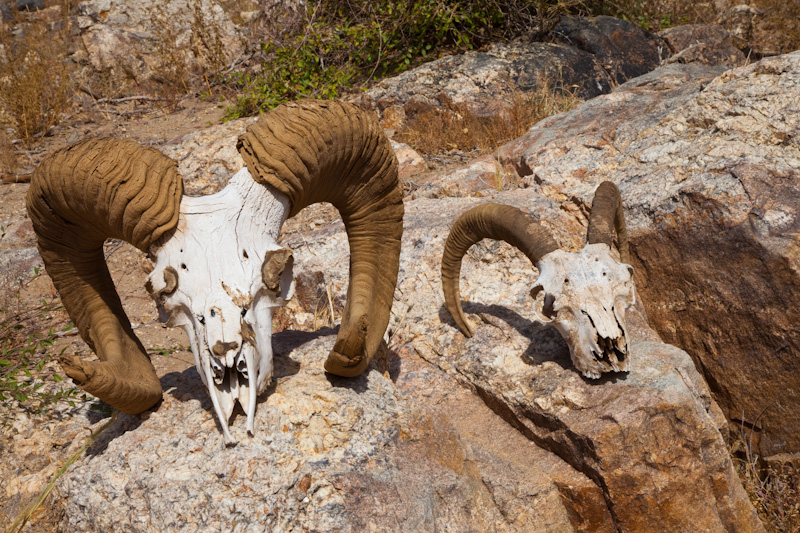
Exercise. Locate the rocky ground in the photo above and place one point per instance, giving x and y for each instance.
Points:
(496, 432)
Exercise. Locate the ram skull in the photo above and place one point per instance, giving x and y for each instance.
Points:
(219, 271)
(584, 294)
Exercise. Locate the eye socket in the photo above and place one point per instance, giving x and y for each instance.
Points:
(201, 319)
(244, 311)
(213, 314)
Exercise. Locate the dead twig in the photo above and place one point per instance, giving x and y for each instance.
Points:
(16, 178)
(124, 99)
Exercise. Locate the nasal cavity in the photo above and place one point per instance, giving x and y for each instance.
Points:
(221, 348)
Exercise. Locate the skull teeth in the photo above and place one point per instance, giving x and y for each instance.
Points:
(218, 369)
(611, 352)
(231, 385)
(241, 365)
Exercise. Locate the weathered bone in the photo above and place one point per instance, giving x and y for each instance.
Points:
(217, 268)
(583, 294)
(275, 263)
(586, 294)
(215, 297)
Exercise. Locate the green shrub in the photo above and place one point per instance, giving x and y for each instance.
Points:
(24, 353)
(343, 43)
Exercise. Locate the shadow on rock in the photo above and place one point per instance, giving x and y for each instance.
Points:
(118, 428)
(284, 342)
(186, 385)
(546, 342)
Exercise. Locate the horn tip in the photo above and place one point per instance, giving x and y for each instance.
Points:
(74, 368)
(339, 364)
(349, 357)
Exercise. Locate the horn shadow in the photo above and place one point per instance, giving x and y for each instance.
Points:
(546, 343)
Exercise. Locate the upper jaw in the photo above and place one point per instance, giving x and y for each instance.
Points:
(236, 383)
(593, 354)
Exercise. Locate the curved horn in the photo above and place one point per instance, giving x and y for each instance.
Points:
(488, 221)
(80, 196)
(606, 218)
(324, 151)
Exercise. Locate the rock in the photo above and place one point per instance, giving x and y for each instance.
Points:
(6, 15)
(208, 157)
(408, 160)
(497, 432)
(708, 167)
(589, 57)
(146, 39)
(488, 78)
(760, 27)
(330, 454)
(482, 177)
(621, 48)
(702, 44)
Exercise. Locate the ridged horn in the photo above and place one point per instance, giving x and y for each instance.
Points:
(324, 151)
(80, 196)
(488, 221)
(607, 217)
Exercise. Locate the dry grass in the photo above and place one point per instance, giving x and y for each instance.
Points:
(8, 161)
(187, 67)
(655, 15)
(326, 311)
(780, 18)
(35, 83)
(774, 489)
(457, 127)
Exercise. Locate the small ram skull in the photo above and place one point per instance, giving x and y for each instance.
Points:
(584, 294)
(219, 271)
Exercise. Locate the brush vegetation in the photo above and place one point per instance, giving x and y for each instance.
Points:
(338, 44)
(35, 83)
(26, 379)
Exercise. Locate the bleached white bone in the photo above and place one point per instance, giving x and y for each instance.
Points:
(217, 251)
(585, 296)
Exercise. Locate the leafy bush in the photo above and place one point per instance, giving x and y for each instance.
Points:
(24, 353)
(341, 43)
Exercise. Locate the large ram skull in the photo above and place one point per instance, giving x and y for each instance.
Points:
(218, 269)
(584, 294)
